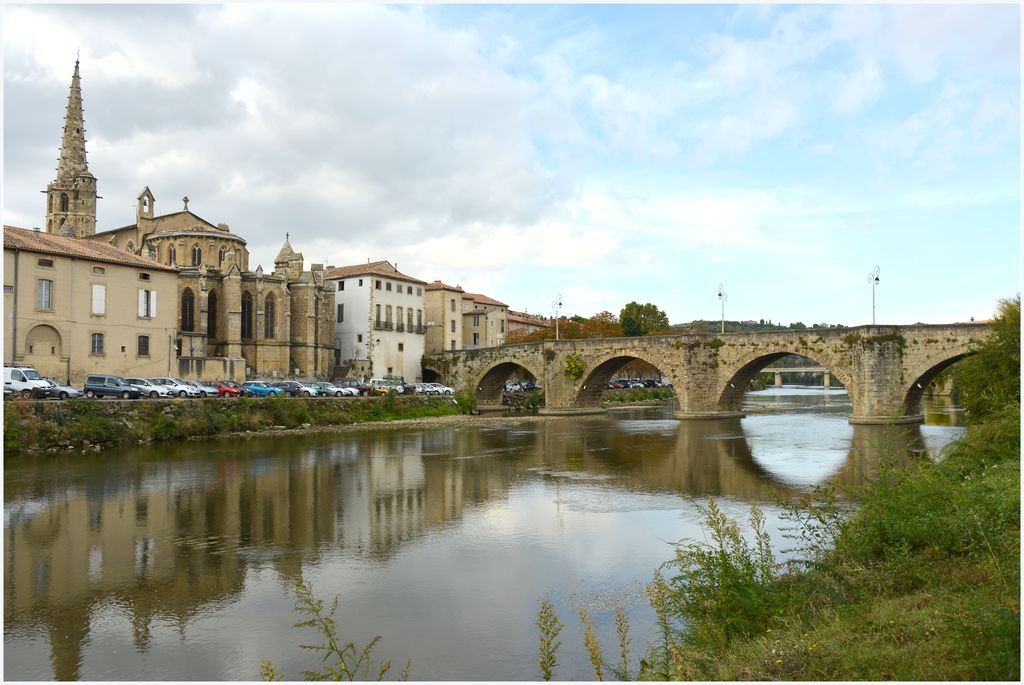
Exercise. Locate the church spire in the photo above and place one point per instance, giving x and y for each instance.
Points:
(71, 198)
(72, 149)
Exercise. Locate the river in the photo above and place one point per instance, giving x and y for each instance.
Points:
(178, 562)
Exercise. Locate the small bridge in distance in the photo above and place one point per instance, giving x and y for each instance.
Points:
(779, 370)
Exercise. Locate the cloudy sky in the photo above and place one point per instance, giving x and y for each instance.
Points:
(607, 153)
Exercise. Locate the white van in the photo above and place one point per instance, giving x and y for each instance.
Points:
(21, 379)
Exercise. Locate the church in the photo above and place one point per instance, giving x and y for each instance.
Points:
(232, 321)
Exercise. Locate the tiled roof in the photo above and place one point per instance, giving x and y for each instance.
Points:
(438, 285)
(47, 243)
(483, 299)
(381, 268)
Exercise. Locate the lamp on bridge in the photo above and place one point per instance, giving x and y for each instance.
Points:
(722, 297)
(873, 280)
(557, 306)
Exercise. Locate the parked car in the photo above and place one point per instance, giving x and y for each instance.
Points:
(381, 386)
(420, 389)
(295, 389)
(178, 387)
(55, 390)
(327, 389)
(360, 387)
(150, 389)
(206, 390)
(103, 385)
(223, 389)
(242, 390)
(262, 389)
(21, 379)
(442, 389)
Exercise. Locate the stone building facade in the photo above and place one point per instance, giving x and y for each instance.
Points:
(231, 322)
(74, 307)
(484, 321)
(443, 306)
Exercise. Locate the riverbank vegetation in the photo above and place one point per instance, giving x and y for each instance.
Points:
(71, 424)
(918, 580)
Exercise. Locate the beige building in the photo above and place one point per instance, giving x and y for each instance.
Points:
(74, 307)
(484, 321)
(230, 321)
(443, 305)
(522, 324)
(379, 325)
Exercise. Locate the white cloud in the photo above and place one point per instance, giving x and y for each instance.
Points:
(859, 89)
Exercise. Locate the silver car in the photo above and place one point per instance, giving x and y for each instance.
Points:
(149, 388)
(178, 387)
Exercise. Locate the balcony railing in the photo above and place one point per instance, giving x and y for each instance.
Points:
(382, 325)
(422, 330)
(400, 328)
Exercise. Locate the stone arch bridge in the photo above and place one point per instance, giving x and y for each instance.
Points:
(885, 369)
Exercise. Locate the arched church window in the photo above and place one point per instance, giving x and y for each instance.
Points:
(246, 316)
(269, 313)
(197, 255)
(63, 202)
(188, 310)
(172, 255)
(221, 255)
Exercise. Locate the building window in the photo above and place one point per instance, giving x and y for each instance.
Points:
(453, 344)
(476, 320)
(409, 319)
(99, 299)
(247, 316)
(476, 339)
(378, 316)
(359, 338)
(341, 313)
(47, 263)
(188, 310)
(453, 325)
(197, 255)
(377, 285)
(419, 290)
(501, 325)
(401, 347)
(143, 276)
(97, 344)
(408, 290)
(172, 255)
(99, 270)
(387, 286)
(387, 314)
(398, 317)
(63, 202)
(269, 316)
(341, 285)
(44, 294)
(360, 283)
(453, 304)
(220, 256)
(143, 346)
(147, 304)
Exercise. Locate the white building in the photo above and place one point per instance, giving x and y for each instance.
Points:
(379, 328)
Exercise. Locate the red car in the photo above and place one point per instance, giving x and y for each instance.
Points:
(222, 389)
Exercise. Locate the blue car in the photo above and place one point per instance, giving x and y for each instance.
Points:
(261, 389)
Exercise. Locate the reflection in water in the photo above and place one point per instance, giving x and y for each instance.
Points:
(160, 561)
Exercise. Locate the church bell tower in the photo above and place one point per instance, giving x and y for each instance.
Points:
(71, 198)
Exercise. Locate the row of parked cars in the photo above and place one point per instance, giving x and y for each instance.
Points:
(619, 383)
(26, 382)
(522, 386)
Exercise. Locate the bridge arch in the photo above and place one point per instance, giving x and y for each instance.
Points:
(490, 383)
(599, 370)
(921, 378)
(737, 378)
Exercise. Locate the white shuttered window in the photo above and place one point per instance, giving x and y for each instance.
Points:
(99, 299)
(147, 304)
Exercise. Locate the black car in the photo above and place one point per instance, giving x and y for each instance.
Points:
(100, 385)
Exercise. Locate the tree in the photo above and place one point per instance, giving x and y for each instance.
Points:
(642, 319)
(989, 381)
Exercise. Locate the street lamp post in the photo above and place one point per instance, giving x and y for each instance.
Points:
(722, 297)
(873, 280)
(557, 306)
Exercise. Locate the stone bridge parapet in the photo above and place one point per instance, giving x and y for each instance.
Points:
(885, 369)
